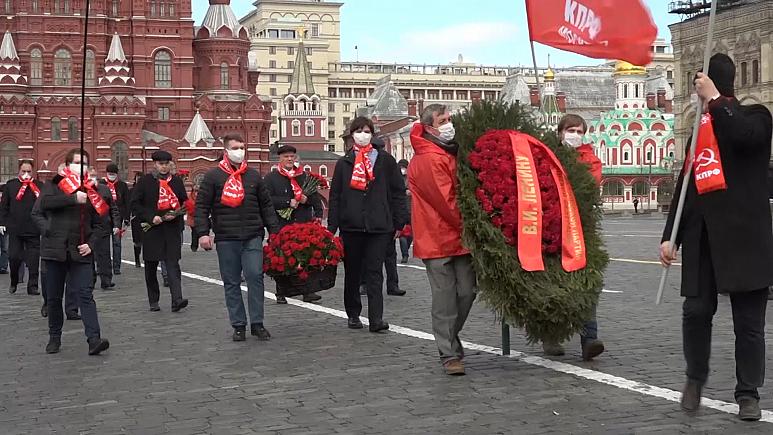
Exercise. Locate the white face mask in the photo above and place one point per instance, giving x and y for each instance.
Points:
(446, 132)
(25, 176)
(573, 140)
(112, 177)
(75, 168)
(236, 156)
(403, 171)
(362, 138)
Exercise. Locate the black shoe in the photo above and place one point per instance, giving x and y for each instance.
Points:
(180, 305)
(239, 334)
(749, 409)
(73, 316)
(311, 297)
(54, 343)
(116, 272)
(355, 323)
(378, 326)
(281, 300)
(396, 292)
(12, 289)
(3, 272)
(363, 290)
(44, 310)
(137, 264)
(108, 285)
(260, 332)
(404, 260)
(155, 307)
(98, 345)
(166, 282)
(591, 349)
(691, 396)
(194, 249)
(33, 290)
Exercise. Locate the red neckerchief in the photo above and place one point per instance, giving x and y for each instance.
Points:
(167, 200)
(71, 182)
(363, 168)
(233, 190)
(709, 174)
(293, 176)
(30, 182)
(111, 186)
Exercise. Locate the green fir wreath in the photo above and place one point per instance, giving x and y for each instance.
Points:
(551, 305)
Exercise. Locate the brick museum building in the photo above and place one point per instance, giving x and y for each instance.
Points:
(154, 80)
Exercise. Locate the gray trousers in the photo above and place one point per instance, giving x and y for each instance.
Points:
(454, 289)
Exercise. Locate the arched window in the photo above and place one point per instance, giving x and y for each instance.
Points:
(636, 90)
(755, 71)
(612, 188)
(296, 128)
(36, 67)
(640, 188)
(9, 161)
(649, 154)
(120, 156)
(62, 68)
(309, 127)
(56, 129)
(307, 169)
(91, 77)
(323, 171)
(116, 8)
(625, 91)
(626, 154)
(72, 129)
(163, 69)
(224, 82)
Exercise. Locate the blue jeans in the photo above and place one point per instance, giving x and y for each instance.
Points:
(79, 276)
(235, 256)
(590, 329)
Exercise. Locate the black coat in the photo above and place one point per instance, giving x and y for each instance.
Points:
(69, 225)
(15, 215)
(163, 241)
(113, 218)
(381, 208)
(281, 191)
(245, 222)
(123, 200)
(737, 220)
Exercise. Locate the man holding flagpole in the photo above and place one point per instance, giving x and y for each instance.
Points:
(725, 235)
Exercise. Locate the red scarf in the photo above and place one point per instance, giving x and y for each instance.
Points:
(233, 190)
(167, 200)
(363, 168)
(709, 174)
(71, 182)
(293, 176)
(27, 183)
(111, 186)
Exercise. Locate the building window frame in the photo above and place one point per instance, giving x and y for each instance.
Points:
(225, 82)
(56, 128)
(296, 127)
(164, 113)
(162, 62)
(62, 67)
(36, 67)
(73, 134)
(9, 160)
(310, 128)
(91, 68)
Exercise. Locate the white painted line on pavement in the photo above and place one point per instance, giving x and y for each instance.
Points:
(630, 260)
(646, 236)
(580, 372)
(610, 291)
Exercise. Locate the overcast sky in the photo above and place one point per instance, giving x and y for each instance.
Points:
(491, 32)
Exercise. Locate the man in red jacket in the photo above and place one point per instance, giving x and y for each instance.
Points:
(571, 129)
(437, 228)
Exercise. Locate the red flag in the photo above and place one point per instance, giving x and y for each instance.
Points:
(603, 29)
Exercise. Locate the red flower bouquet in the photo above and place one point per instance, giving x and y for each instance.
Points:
(302, 258)
(493, 161)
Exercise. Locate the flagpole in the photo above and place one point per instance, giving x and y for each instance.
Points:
(83, 116)
(533, 54)
(687, 172)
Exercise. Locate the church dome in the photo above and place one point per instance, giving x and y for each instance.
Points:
(624, 68)
(549, 74)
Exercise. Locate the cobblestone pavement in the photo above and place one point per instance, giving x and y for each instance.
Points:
(181, 373)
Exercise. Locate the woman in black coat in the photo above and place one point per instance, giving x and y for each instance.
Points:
(367, 204)
(163, 241)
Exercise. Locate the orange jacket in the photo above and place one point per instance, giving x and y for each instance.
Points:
(435, 216)
(590, 159)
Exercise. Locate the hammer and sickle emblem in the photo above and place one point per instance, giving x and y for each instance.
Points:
(706, 158)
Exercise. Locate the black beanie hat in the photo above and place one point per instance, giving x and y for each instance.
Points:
(722, 73)
(112, 168)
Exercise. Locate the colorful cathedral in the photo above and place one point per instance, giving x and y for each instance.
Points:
(635, 142)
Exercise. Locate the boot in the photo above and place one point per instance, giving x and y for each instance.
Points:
(691, 396)
(97, 345)
(137, 252)
(54, 343)
(749, 409)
